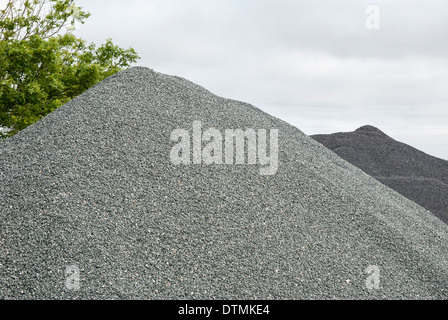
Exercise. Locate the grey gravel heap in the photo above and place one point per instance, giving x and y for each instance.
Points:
(411, 172)
(92, 186)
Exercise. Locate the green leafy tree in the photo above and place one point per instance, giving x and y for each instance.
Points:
(43, 65)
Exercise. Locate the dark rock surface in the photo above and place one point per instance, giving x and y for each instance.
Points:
(411, 172)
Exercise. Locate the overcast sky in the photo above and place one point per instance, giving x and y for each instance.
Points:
(312, 63)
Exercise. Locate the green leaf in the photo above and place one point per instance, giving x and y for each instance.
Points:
(39, 70)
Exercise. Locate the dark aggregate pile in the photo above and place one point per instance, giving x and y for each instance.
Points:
(411, 172)
(92, 186)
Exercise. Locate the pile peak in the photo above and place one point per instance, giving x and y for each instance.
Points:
(368, 129)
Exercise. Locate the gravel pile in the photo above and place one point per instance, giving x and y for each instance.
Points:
(90, 190)
(413, 173)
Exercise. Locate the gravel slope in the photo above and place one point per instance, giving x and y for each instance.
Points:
(413, 173)
(92, 186)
